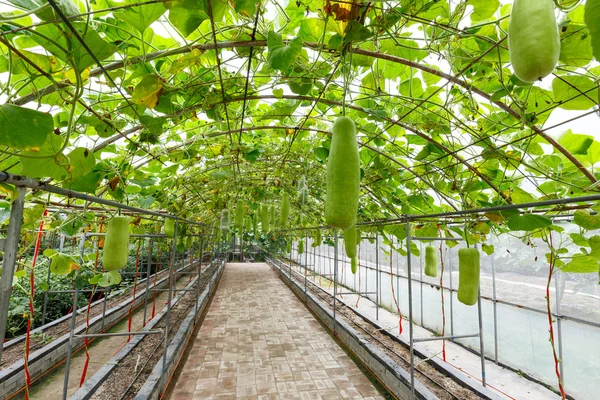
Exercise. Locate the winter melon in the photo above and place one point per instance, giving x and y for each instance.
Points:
(225, 219)
(272, 219)
(343, 176)
(116, 244)
(301, 247)
(354, 264)
(350, 241)
(468, 276)
(239, 214)
(533, 39)
(169, 227)
(318, 239)
(264, 219)
(431, 261)
(284, 212)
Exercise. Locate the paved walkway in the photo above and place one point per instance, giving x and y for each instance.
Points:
(258, 341)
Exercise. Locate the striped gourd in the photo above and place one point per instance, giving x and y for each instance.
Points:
(284, 212)
(468, 276)
(239, 214)
(431, 261)
(116, 244)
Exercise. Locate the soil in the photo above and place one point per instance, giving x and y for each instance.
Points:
(16, 352)
(140, 362)
(443, 386)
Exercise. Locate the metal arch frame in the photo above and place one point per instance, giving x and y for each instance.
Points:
(262, 43)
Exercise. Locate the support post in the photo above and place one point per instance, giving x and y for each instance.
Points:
(72, 327)
(495, 305)
(377, 273)
(558, 274)
(481, 346)
(410, 313)
(168, 314)
(335, 270)
(150, 247)
(200, 269)
(11, 250)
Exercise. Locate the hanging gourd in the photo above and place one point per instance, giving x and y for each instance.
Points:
(116, 244)
(343, 176)
(225, 219)
(255, 222)
(533, 39)
(318, 239)
(248, 223)
(169, 227)
(302, 191)
(239, 215)
(431, 261)
(264, 219)
(272, 219)
(301, 246)
(284, 212)
(350, 241)
(354, 264)
(468, 276)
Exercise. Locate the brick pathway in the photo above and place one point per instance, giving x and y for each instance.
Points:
(258, 341)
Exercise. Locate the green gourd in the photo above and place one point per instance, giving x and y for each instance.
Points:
(343, 176)
(318, 239)
(533, 39)
(302, 191)
(218, 235)
(592, 21)
(239, 214)
(272, 219)
(284, 212)
(350, 241)
(255, 223)
(189, 243)
(468, 276)
(431, 261)
(169, 227)
(301, 247)
(264, 219)
(225, 219)
(248, 224)
(354, 264)
(116, 244)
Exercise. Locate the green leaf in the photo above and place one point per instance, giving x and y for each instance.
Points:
(575, 143)
(322, 154)
(483, 9)
(141, 16)
(592, 21)
(23, 128)
(4, 211)
(585, 263)
(282, 56)
(109, 278)
(487, 249)
(356, 32)
(575, 92)
(148, 91)
(71, 226)
(63, 265)
(585, 220)
(528, 222)
(245, 7)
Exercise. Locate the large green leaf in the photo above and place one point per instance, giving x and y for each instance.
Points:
(281, 56)
(142, 15)
(592, 20)
(575, 92)
(528, 222)
(585, 263)
(584, 219)
(23, 128)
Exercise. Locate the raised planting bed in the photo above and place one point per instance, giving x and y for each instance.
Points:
(45, 356)
(386, 357)
(124, 374)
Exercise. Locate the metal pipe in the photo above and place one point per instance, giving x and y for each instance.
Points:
(23, 181)
(335, 270)
(97, 335)
(495, 308)
(168, 314)
(481, 348)
(421, 279)
(410, 314)
(150, 247)
(452, 337)
(359, 293)
(199, 271)
(458, 239)
(559, 327)
(449, 258)
(72, 328)
(11, 250)
(377, 277)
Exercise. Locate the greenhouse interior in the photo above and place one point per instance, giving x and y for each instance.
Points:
(300, 199)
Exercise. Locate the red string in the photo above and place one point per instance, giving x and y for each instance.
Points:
(31, 309)
(556, 361)
(400, 329)
(87, 318)
(158, 265)
(442, 293)
(137, 261)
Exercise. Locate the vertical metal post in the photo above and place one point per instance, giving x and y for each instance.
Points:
(291, 256)
(200, 270)
(410, 313)
(306, 263)
(11, 250)
(335, 270)
(451, 296)
(481, 346)
(377, 276)
(559, 325)
(421, 279)
(150, 246)
(495, 305)
(72, 328)
(168, 315)
(45, 307)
